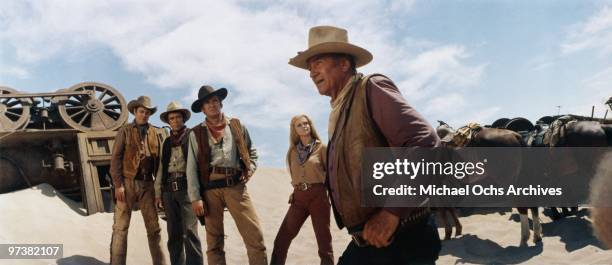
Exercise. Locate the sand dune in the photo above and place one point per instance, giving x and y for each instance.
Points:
(40, 215)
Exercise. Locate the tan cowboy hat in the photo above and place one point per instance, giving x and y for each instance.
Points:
(205, 93)
(175, 107)
(328, 39)
(142, 101)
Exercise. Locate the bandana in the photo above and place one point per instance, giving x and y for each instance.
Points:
(218, 129)
(177, 137)
(304, 151)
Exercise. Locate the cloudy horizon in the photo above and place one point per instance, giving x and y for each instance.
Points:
(454, 61)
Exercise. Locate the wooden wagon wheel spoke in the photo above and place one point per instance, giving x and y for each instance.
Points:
(102, 94)
(113, 106)
(74, 102)
(113, 114)
(77, 113)
(108, 100)
(15, 110)
(18, 113)
(6, 122)
(83, 118)
(13, 103)
(106, 120)
(12, 114)
(74, 107)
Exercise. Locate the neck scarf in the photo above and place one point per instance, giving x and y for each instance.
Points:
(177, 137)
(142, 128)
(339, 102)
(217, 130)
(304, 151)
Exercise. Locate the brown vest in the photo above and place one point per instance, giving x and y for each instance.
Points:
(133, 145)
(203, 156)
(314, 168)
(352, 135)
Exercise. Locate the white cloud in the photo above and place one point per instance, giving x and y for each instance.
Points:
(438, 70)
(594, 33)
(596, 91)
(442, 104)
(243, 45)
(15, 71)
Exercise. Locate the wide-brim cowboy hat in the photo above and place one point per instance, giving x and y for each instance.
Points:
(175, 107)
(142, 101)
(205, 93)
(328, 39)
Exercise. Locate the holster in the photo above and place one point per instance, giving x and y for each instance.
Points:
(202, 218)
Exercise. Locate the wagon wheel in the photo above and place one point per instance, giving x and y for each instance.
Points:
(14, 112)
(103, 109)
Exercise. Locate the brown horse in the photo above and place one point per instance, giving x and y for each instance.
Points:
(495, 137)
(580, 134)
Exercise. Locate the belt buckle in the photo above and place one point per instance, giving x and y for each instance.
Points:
(303, 186)
(230, 181)
(175, 185)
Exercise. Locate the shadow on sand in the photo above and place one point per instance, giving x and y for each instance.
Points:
(472, 249)
(575, 231)
(49, 191)
(80, 260)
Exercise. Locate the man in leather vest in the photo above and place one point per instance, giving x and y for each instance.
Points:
(220, 161)
(379, 117)
(133, 165)
(184, 244)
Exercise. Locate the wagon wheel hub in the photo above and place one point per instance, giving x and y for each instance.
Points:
(94, 105)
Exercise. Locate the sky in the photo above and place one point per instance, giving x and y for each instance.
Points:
(456, 61)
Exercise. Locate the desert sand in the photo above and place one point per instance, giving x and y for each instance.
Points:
(41, 215)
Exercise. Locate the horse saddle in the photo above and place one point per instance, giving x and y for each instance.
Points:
(556, 132)
(464, 135)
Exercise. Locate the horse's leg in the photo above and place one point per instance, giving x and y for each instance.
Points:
(568, 211)
(537, 227)
(524, 225)
(458, 227)
(448, 229)
(556, 215)
(574, 210)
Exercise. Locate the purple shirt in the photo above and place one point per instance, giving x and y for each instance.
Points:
(400, 124)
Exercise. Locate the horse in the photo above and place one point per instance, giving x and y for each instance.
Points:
(495, 137)
(561, 131)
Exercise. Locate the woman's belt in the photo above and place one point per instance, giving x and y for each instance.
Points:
(306, 186)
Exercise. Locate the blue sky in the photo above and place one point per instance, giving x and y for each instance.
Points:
(458, 61)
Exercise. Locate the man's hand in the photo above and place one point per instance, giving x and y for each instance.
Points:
(159, 203)
(379, 229)
(246, 176)
(120, 194)
(198, 208)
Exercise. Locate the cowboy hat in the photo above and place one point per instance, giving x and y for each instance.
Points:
(142, 101)
(328, 39)
(205, 93)
(175, 107)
